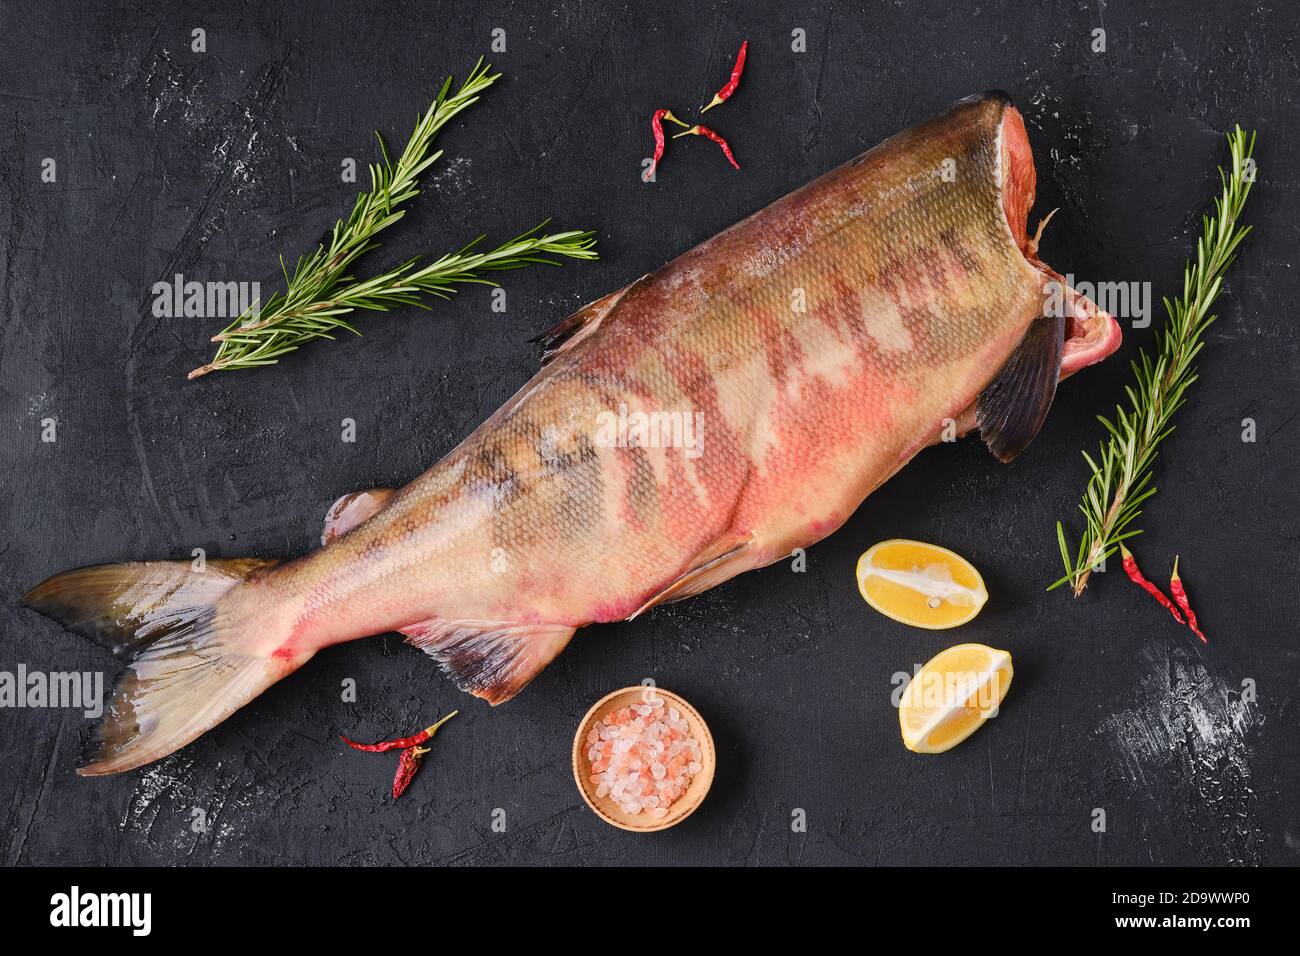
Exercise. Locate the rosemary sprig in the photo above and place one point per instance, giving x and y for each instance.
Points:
(320, 291)
(264, 342)
(1121, 476)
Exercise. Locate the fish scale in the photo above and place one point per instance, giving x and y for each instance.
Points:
(797, 360)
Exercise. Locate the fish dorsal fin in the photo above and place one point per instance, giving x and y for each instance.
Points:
(1011, 410)
(718, 564)
(352, 509)
(490, 659)
(567, 334)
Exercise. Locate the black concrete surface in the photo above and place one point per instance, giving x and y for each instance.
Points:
(213, 164)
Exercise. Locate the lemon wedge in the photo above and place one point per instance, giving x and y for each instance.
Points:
(949, 698)
(920, 584)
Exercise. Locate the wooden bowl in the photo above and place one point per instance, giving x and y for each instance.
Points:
(605, 807)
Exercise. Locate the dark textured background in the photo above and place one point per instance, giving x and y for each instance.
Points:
(213, 164)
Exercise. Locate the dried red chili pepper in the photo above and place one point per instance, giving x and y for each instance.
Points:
(656, 124)
(407, 765)
(1180, 595)
(710, 134)
(1131, 568)
(729, 87)
(401, 743)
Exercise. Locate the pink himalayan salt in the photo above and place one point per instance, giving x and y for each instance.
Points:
(643, 757)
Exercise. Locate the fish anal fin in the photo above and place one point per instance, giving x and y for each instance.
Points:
(490, 659)
(1013, 407)
(352, 509)
(566, 335)
(715, 566)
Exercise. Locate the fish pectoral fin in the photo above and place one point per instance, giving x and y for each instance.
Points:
(490, 659)
(352, 509)
(709, 572)
(1011, 410)
(567, 334)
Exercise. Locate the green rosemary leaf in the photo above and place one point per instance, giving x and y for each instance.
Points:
(1060, 539)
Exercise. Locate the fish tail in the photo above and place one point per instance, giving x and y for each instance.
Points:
(191, 664)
